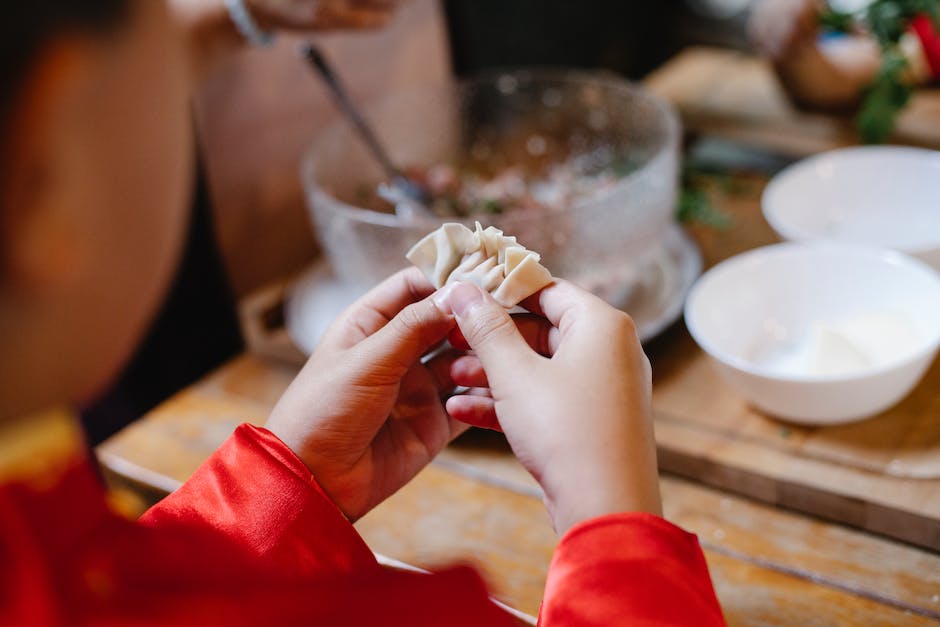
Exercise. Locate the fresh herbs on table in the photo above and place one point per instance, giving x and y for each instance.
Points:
(889, 92)
(885, 98)
(695, 204)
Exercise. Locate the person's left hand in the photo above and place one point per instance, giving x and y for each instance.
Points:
(322, 14)
(364, 414)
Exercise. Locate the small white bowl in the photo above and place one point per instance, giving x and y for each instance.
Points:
(886, 196)
(755, 315)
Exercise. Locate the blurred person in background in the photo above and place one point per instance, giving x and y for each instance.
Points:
(197, 328)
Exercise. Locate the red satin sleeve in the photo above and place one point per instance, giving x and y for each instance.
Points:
(257, 496)
(635, 569)
(256, 493)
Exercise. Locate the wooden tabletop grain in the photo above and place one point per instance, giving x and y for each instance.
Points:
(476, 504)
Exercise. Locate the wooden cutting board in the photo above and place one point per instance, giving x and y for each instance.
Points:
(881, 474)
(733, 95)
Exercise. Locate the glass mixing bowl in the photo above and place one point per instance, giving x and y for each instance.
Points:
(497, 120)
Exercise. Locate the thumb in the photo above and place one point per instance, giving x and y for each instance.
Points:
(488, 330)
(410, 334)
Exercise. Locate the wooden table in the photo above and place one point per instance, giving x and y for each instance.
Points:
(770, 564)
(475, 503)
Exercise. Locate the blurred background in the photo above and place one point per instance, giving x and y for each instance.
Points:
(268, 100)
(259, 111)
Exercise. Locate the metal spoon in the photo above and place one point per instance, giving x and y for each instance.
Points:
(409, 197)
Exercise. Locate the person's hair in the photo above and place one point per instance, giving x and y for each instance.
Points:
(26, 25)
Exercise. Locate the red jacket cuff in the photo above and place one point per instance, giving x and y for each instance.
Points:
(631, 565)
(257, 494)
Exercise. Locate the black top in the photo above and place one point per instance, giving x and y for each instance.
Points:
(195, 331)
(630, 37)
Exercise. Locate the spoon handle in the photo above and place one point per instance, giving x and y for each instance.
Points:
(316, 59)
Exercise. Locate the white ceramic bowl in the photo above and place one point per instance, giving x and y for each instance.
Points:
(753, 315)
(881, 195)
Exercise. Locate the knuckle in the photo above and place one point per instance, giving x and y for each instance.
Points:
(489, 324)
(623, 332)
(624, 324)
(411, 319)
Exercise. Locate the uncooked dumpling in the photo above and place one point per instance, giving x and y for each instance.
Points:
(496, 262)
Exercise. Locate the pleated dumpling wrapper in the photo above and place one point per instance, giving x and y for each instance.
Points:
(494, 261)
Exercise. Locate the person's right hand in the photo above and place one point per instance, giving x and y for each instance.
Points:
(211, 35)
(575, 409)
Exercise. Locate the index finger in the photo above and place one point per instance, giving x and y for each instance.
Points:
(560, 300)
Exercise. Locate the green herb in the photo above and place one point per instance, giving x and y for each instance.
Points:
(623, 166)
(493, 206)
(488, 205)
(453, 207)
(888, 94)
(884, 99)
(888, 20)
(694, 205)
(836, 21)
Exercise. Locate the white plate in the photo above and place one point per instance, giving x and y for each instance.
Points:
(882, 195)
(655, 299)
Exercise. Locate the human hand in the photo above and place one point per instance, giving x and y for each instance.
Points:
(306, 15)
(364, 414)
(576, 409)
(211, 35)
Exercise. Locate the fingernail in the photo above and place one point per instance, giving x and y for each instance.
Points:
(463, 297)
(440, 299)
